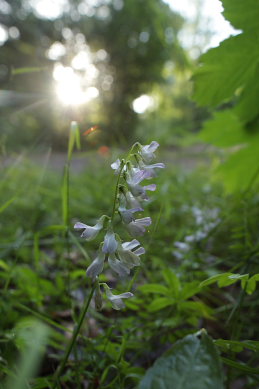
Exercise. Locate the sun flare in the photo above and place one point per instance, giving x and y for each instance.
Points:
(69, 87)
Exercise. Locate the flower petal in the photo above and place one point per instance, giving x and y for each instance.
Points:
(137, 227)
(110, 243)
(132, 202)
(129, 258)
(147, 151)
(130, 245)
(137, 176)
(118, 266)
(153, 146)
(90, 232)
(159, 165)
(79, 226)
(151, 187)
(140, 251)
(96, 266)
(116, 166)
(127, 214)
(116, 300)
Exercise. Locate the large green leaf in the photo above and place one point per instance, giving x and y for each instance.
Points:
(224, 130)
(226, 68)
(241, 168)
(192, 363)
(247, 107)
(229, 73)
(242, 14)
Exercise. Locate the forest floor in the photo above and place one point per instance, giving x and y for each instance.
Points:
(186, 158)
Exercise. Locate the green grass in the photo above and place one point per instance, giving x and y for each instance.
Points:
(197, 232)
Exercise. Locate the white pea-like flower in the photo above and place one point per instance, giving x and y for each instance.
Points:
(147, 151)
(110, 243)
(96, 266)
(131, 201)
(117, 299)
(127, 215)
(90, 232)
(140, 191)
(150, 169)
(119, 267)
(116, 166)
(138, 226)
(127, 257)
(134, 179)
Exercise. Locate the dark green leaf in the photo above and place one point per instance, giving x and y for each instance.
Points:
(192, 363)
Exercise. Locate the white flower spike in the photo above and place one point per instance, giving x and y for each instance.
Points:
(131, 193)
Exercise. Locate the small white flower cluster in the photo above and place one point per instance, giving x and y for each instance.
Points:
(206, 220)
(129, 198)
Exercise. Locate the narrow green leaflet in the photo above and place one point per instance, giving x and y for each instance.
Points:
(224, 279)
(251, 284)
(192, 363)
(240, 366)
(172, 281)
(237, 346)
(154, 288)
(160, 303)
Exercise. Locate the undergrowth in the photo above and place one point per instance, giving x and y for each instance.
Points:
(199, 271)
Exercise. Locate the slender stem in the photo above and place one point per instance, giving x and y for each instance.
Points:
(73, 339)
(116, 191)
(118, 180)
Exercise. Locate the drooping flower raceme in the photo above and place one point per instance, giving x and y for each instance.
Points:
(130, 196)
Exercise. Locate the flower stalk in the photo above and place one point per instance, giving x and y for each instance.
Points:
(72, 342)
(129, 198)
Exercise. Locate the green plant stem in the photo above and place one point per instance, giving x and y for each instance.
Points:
(116, 191)
(73, 339)
(118, 180)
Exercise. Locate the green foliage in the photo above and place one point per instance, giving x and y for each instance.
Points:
(30, 337)
(42, 274)
(192, 363)
(229, 75)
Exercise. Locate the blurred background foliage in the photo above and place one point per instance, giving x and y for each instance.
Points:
(101, 62)
(231, 71)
